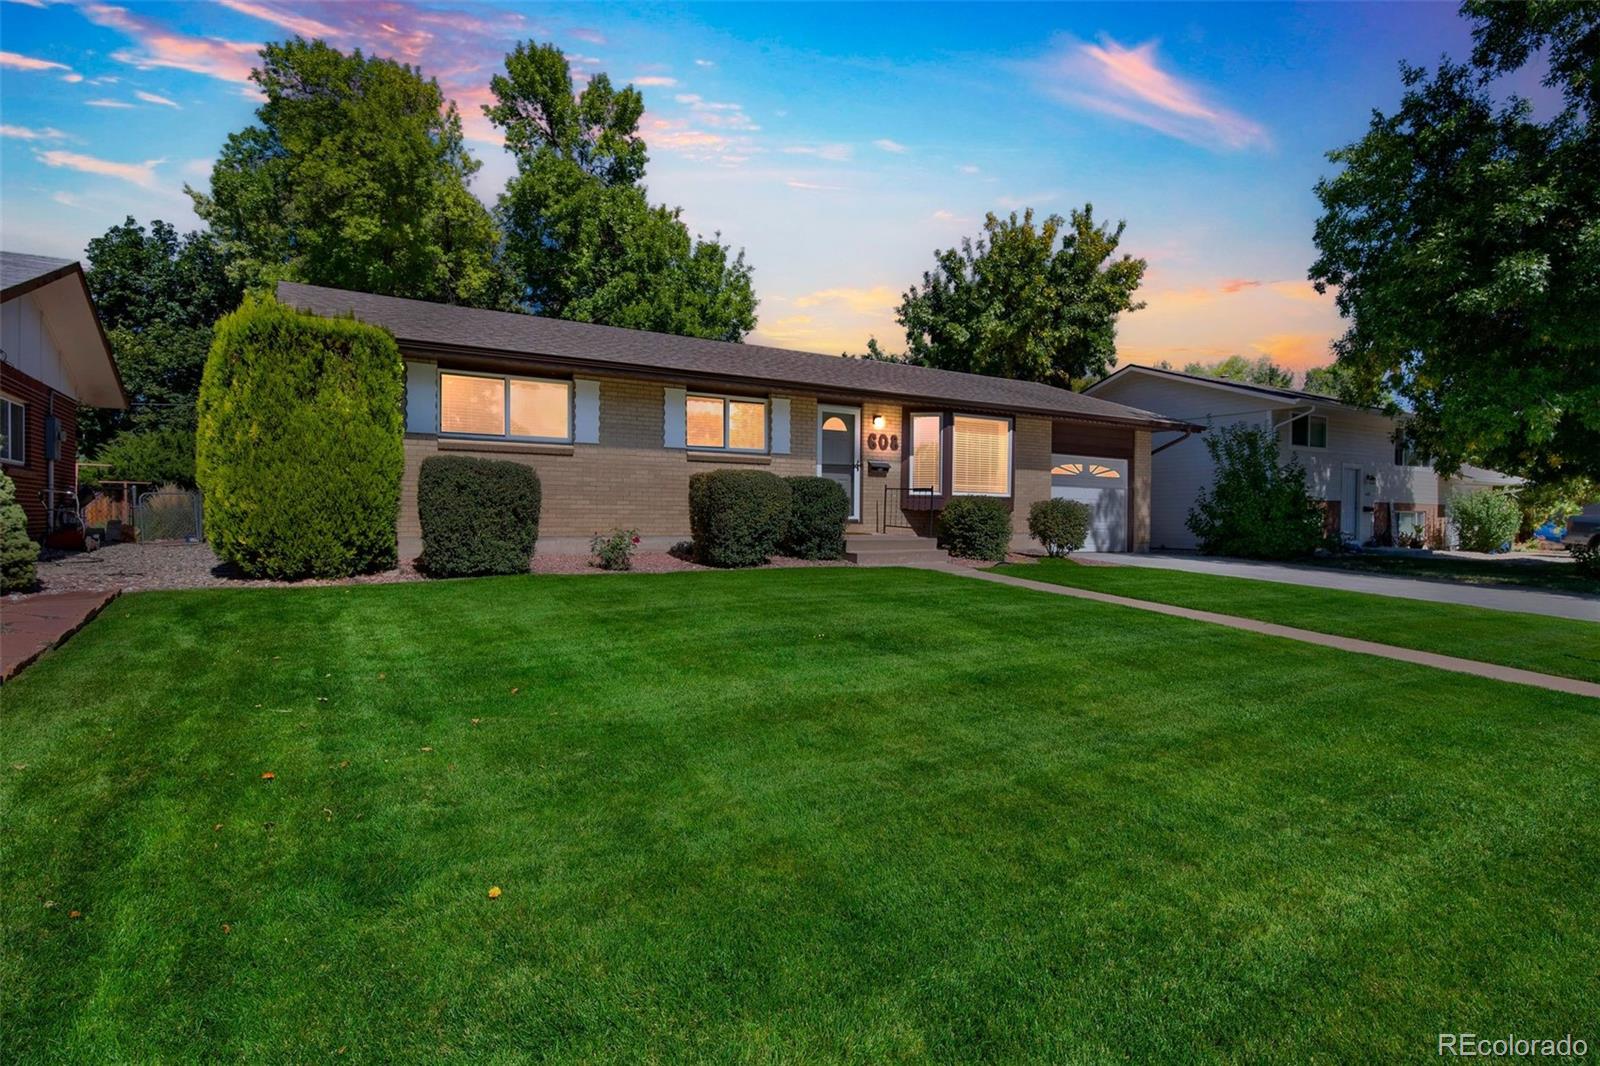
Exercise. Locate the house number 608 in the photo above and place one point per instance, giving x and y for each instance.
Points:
(883, 442)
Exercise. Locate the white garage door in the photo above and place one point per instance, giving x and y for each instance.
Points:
(1103, 485)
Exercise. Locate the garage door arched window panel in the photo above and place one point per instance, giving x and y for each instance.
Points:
(981, 463)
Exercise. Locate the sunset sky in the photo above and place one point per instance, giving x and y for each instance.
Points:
(838, 145)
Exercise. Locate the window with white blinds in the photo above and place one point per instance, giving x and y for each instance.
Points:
(484, 405)
(981, 463)
(925, 453)
(726, 423)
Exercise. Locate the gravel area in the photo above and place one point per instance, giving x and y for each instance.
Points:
(143, 567)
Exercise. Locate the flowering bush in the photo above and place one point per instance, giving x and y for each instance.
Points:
(614, 550)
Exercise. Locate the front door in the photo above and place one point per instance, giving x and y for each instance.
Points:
(839, 451)
(1350, 504)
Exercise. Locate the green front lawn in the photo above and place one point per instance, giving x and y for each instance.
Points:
(801, 815)
(1528, 641)
(1519, 570)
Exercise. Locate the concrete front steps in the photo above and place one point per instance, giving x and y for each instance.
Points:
(892, 549)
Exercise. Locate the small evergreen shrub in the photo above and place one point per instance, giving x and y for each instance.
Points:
(298, 447)
(479, 516)
(1254, 509)
(818, 509)
(1485, 521)
(976, 527)
(1061, 526)
(737, 517)
(18, 552)
(614, 550)
(1586, 557)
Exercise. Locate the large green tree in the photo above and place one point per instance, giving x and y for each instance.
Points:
(582, 240)
(354, 175)
(1036, 303)
(157, 294)
(1462, 238)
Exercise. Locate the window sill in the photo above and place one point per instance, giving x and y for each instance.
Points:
(745, 458)
(516, 447)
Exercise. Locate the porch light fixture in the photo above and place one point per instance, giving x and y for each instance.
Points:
(877, 421)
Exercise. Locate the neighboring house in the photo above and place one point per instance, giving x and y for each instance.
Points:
(53, 356)
(617, 420)
(1371, 488)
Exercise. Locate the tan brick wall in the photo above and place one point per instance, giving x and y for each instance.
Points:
(1139, 471)
(628, 480)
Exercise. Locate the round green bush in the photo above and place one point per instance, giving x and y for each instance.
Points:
(818, 509)
(299, 444)
(479, 516)
(737, 517)
(18, 552)
(976, 527)
(1061, 526)
(1485, 521)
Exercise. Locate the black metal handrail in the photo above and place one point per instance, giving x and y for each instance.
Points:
(899, 502)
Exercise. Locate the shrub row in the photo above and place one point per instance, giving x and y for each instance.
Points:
(744, 517)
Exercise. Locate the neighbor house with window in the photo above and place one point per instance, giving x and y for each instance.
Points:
(53, 357)
(616, 421)
(1372, 488)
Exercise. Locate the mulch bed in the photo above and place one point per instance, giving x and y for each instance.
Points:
(146, 567)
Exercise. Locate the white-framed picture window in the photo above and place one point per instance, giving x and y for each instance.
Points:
(980, 462)
(725, 423)
(13, 431)
(499, 405)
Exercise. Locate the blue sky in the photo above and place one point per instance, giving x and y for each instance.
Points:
(839, 145)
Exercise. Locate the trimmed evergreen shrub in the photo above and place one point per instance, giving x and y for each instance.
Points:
(299, 447)
(818, 509)
(1485, 521)
(479, 516)
(18, 552)
(976, 527)
(1254, 509)
(737, 517)
(1061, 526)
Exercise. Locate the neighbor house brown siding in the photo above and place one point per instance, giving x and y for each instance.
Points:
(32, 475)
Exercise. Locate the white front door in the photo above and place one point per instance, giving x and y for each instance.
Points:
(1103, 485)
(1350, 504)
(839, 450)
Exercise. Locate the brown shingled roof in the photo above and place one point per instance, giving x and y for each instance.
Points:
(423, 328)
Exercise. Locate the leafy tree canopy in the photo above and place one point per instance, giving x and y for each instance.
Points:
(1035, 303)
(1463, 240)
(582, 240)
(355, 176)
(1327, 380)
(158, 294)
(1261, 371)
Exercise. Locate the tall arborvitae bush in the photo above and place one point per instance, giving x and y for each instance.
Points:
(299, 448)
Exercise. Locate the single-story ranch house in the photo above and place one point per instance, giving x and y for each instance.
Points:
(1372, 489)
(53, 356)
(617, 420)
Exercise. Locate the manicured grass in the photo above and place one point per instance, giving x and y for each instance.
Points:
(777, 816)
(1528, 641)
(1523, 569)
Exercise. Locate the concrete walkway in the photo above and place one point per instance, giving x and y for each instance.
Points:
(32, 626)
(1528, 600)
(1326, 640)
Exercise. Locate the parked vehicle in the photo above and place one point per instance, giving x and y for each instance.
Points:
(1583, 528)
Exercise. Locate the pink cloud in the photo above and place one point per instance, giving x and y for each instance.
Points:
(16, 61)
(299, 24)
(1233, 285)
(158, 46)
(655, 81)
(141, 174)
(1129, 84)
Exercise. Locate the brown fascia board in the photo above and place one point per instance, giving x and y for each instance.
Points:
(22, 288)
(493, 358)
(25, 287)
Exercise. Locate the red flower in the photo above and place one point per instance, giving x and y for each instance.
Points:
(636, 540)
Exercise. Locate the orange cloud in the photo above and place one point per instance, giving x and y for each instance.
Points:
(1295, 351)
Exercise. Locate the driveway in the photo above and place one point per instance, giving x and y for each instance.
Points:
(1529, 601)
